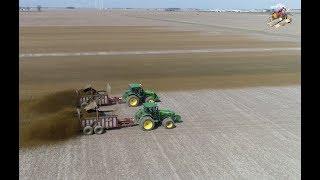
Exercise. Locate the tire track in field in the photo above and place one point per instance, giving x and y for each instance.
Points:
(150, 52)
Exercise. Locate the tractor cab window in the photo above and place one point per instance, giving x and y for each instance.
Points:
(151, 109)
(155, 109)
(137, 90)
(148, 110)
(134, 90)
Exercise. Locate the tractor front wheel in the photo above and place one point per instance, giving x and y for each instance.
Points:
(168, 123)
(149, 99)
(133, 101)
(147, 123)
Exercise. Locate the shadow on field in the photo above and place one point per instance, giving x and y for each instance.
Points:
(49, 119)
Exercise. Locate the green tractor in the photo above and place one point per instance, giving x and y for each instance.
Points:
(135, 95)
(149, 116)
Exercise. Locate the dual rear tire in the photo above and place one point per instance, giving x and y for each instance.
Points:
(133, 101)
(147, 123)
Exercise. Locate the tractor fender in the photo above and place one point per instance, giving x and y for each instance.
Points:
(131, 94)
(176, 118)
(157, 98)
(151, 93)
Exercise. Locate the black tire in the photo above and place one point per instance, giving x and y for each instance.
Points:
(149, 99)
(144, 123)
(133, 101)
(168, 123)
(98, 129)
(88, 130)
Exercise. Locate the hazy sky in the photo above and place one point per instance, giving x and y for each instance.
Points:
(206, 4)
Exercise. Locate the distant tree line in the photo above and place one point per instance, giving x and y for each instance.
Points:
(30, 8)
(172, 9)
(39, 8)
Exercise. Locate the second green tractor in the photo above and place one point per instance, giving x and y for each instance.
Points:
(149, 116)
(136, 95)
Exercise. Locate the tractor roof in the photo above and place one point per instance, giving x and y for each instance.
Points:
(150, 104)
(135, 85)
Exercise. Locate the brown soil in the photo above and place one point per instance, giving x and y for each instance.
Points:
(48, 119)
(160, 72)
(123, 38)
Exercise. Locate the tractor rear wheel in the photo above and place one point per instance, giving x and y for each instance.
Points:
(133, 101)
(147, 123)
(149, 99)
(168, 123)
(98, 129)
(88, 130)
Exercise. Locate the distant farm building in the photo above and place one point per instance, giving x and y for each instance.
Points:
(172, 9)
(24, 9)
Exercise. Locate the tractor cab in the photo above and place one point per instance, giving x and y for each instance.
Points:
(148, 116)
(136, 88)
(152, 109)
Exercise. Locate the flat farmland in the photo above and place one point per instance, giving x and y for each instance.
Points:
(48, 72)
(245, 133)
(234, 81)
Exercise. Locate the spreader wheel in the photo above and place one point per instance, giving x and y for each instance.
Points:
(88, 130)
(98, 129)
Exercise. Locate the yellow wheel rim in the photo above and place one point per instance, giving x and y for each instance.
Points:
(148, 124)
(169, 125)
(133, 101)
